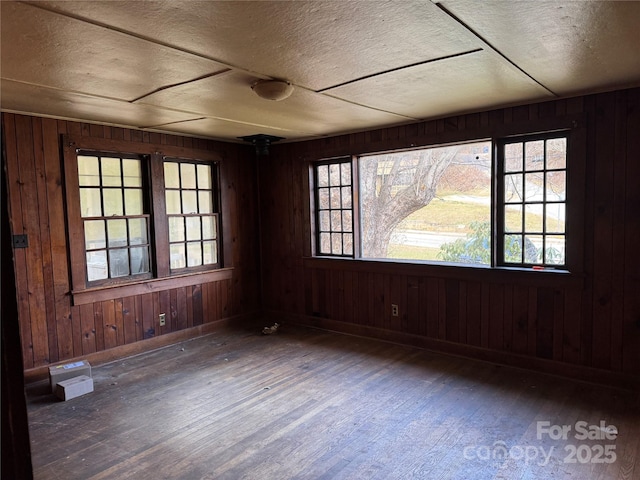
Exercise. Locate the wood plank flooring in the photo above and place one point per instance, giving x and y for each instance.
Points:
(309, 404)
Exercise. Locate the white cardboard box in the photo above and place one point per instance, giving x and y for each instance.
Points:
(74, 387)
(69, 370)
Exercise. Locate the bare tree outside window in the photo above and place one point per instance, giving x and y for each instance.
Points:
(414, 202)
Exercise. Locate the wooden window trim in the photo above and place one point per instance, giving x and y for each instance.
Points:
(463, 272)
(99, 294)
(71, 144)
(576, 127)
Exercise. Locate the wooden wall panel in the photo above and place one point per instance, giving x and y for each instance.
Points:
(591, 320)
(593, 323)
(53, 330)
(631, 316)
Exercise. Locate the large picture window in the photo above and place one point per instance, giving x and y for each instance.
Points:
(487, 203)
(421, 204)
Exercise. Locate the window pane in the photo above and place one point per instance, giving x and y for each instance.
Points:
(345, 173)
(131, 172)
(513, 248)
(188, 175)
(111, 174)
(88, 171)
(194, 254)
(118, 263)
(557, 153)
(554, 253)
(189, 201)
(533, 248)
(453, 186)
(325, 243)
(533, 218)
(513, 218)
(178, 258)
(205, 202)
(193, 228)
(172, 198)
(335, 198)
(90, 205)
(555, 218)
(117, 233)
(336, 243)
(334, 174)
(323, 175)
(112, 202)
(171, 175)
(513, 157)
(533, 187)
(208, 228)
(347, 220)
(325, 221)
(95, 235)
(204, 176)
(346, 197)
(176, 229)
(139, 260)
(348, 243)
(323, 198)
(336, 221)
(513, 190)
(97, 265)
(209, 253)
(137, 231)
(534, 155)
(556, 186)
(133, 201)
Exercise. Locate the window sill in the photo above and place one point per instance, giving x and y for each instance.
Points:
(477, 273)
(99, 294)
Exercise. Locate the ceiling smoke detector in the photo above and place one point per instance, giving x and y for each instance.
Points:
(272, 89)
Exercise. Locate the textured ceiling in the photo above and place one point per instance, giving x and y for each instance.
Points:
(187, 66)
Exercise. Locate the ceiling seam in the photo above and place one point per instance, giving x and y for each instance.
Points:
(494, 49)
(228, 120)
(66, 90)
(165, 87)
(141, 37)
(158, 125)
(424, 62)
(368, 106)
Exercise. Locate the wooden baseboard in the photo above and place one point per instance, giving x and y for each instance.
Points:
(550, 367)
(106, 356)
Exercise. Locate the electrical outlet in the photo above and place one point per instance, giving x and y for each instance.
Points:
(163, 319)
(394, 310)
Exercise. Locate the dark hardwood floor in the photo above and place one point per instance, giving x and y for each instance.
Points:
(308, 404)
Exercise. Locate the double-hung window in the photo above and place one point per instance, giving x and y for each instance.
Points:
(136, 214)
(115, 216)
(495, 202)
(191, 206)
